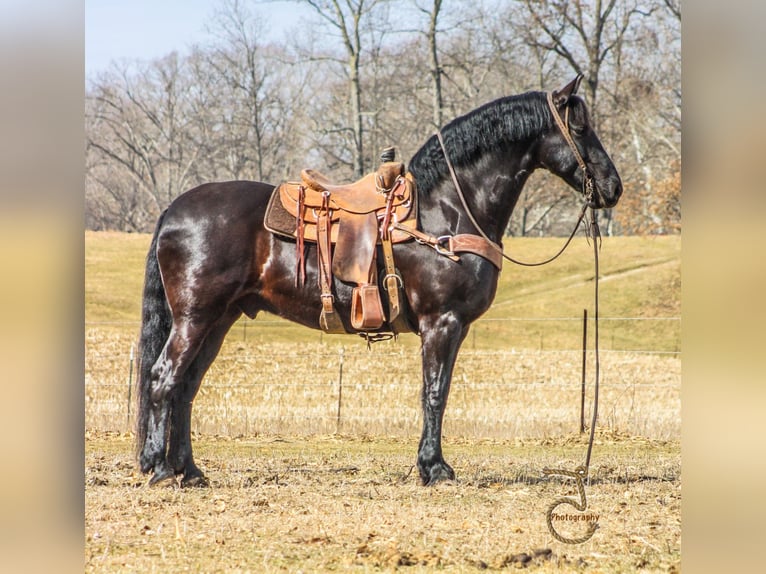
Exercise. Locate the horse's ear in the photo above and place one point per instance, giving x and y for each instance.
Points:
(561, 97)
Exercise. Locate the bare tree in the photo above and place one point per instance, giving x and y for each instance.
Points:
(646, 97)
(585, 33)
(347, 18)
(243, 68)
(432, 12)
(139, 123)
(237, 107)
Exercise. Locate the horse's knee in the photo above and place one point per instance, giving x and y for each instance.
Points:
(159, 392)
(435, 401)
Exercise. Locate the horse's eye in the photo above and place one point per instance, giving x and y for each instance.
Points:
(577, 130)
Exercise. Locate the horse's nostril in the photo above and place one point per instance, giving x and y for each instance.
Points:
(607, 194)
(617, 192)
(612, 192)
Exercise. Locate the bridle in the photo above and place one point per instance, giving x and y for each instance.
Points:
(587, 178)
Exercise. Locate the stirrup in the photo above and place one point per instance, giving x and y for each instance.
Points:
(366, 308)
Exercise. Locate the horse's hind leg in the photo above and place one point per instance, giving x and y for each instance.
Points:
(180, 351)
(180, 455)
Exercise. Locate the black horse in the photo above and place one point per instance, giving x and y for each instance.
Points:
(211, 260)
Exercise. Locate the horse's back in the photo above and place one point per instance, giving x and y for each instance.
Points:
(227, 198)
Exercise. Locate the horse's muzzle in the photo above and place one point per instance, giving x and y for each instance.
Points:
(608, 192)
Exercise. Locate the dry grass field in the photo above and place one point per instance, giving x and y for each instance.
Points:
(296, 487)
(348, 503)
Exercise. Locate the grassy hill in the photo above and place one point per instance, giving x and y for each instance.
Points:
(538, 307)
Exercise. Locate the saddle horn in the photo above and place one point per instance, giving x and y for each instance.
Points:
(388, 154)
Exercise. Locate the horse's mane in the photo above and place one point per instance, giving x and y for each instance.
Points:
(489, 127)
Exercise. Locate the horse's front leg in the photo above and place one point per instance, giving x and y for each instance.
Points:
(441, 337)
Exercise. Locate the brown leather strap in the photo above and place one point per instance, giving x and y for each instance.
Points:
(466, 243)
(324, 267)
(328, 319)
(436, 242)
(385, 227)
(449, 245)
(300, 275)
(587, 178)
(391, 280)
(564, 128)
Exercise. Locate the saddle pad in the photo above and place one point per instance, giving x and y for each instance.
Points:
(277, 219)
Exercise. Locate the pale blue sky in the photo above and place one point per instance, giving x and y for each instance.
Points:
(148, 29)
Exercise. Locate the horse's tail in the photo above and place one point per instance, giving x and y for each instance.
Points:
(156, 322)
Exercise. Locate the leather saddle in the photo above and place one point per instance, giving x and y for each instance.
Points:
(348, 222)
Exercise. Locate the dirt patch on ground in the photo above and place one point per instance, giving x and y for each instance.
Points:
(350, 503)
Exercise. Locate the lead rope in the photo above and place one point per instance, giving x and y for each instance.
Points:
(595, 235)
(580, 474)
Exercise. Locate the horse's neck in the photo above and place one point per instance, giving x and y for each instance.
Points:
(491, 192)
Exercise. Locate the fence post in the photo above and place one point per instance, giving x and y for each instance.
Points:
(130, 383)
(340, 389)
(584, 360)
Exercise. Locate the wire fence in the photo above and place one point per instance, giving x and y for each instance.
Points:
(260, 385)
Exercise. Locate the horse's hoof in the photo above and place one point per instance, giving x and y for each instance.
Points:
(146, 463)
(196, 481)
(163, 479)
(440, 472)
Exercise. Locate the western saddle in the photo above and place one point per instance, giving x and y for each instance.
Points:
(347, 222)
